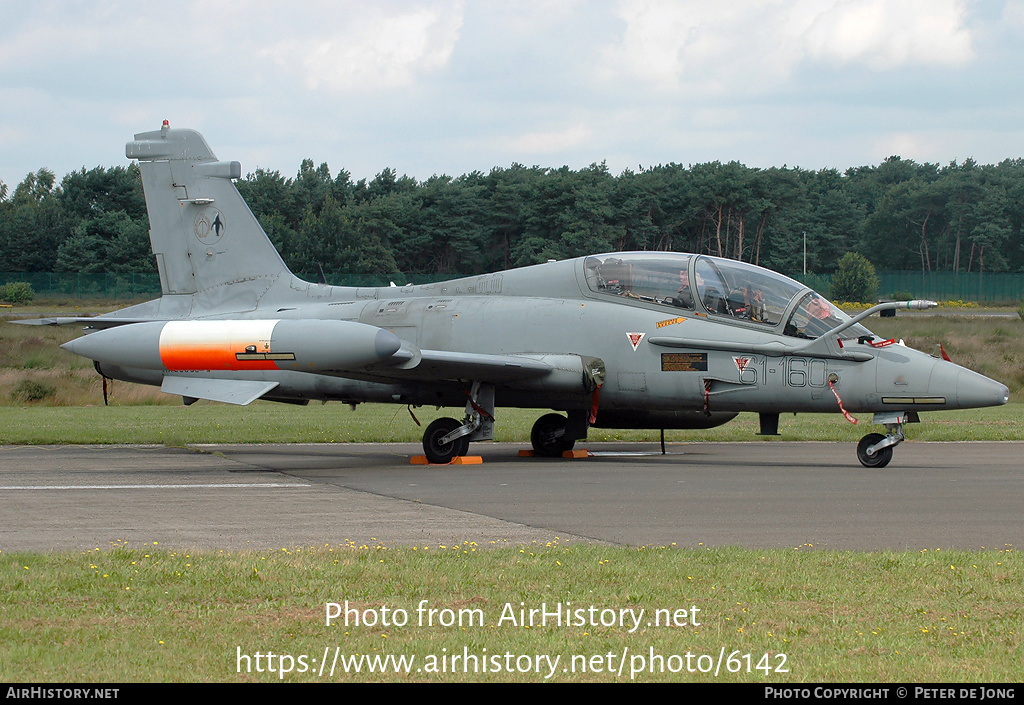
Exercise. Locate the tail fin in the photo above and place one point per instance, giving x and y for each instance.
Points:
(204, 236)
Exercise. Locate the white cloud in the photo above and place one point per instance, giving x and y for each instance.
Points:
(427, 86)
(550, 142)
(373, 50)
(696, 45)
(337, 46)
(884, 34)
(908, 144)
(1013, 14)
(754, 45)
(529, 18)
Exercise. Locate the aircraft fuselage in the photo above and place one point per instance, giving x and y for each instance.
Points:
(622, 340)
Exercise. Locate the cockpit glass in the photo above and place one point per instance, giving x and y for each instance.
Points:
(719, 286)
(660, 277)
(724, 288)
(815, 316)
(743, 291)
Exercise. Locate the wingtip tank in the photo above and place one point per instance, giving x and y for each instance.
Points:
(185, 346)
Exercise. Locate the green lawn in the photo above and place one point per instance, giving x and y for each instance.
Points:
(266, 422)
(127, 614)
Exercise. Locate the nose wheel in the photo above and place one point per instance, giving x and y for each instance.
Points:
(870, 458)
(874, 449)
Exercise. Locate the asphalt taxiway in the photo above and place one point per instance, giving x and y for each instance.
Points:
(764, 494)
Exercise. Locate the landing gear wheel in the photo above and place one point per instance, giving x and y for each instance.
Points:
(879, 459)
(443, 453)
(546, 439)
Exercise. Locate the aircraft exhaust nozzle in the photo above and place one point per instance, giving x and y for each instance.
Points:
(297, 345)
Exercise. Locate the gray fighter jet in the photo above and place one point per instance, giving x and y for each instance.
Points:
(657, 340)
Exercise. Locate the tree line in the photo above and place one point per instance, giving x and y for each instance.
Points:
(901, 215)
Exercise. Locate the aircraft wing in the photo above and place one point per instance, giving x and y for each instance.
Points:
(561, 373)
(555, 372)
(429, 366)
(447, 365)
(236, 349)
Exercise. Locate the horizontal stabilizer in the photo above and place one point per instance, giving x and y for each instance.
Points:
(86, 321)
(229, 391)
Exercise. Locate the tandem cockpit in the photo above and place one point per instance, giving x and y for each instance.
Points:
(724, 289)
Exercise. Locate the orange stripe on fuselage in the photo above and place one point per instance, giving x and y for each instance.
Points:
(212, 345)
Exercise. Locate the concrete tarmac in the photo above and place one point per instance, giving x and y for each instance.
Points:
(762, 494)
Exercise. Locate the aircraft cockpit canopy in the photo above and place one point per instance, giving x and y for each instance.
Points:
(716, 286)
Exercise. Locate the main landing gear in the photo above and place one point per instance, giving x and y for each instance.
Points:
(549, 437)
(875, 450)
(446, 439)
(440, 443)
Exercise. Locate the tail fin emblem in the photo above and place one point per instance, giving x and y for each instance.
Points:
(209, 226)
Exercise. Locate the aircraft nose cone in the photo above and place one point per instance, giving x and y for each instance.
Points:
(974, 390)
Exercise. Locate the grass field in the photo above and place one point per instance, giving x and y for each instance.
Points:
(266, 422)
(127, 614)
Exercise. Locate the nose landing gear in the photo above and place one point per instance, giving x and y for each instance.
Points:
(871, 453)
(875, 450)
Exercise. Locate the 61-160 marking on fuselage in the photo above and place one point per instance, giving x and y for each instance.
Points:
(754, 369)
(796, 371)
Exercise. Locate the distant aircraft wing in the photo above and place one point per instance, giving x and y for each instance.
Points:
(98, 322)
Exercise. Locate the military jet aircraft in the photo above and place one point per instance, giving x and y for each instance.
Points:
(657, 340)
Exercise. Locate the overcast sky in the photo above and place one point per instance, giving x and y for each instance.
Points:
(450, 86)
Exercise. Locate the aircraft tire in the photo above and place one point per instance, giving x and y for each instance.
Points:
(542, 437)
(438, 453)
(879, 459)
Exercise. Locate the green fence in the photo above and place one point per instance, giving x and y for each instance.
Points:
(939, 286)
(108, 285)
(946, 286)
(112, 285)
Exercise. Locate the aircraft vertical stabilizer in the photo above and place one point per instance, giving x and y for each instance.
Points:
(204, 236)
